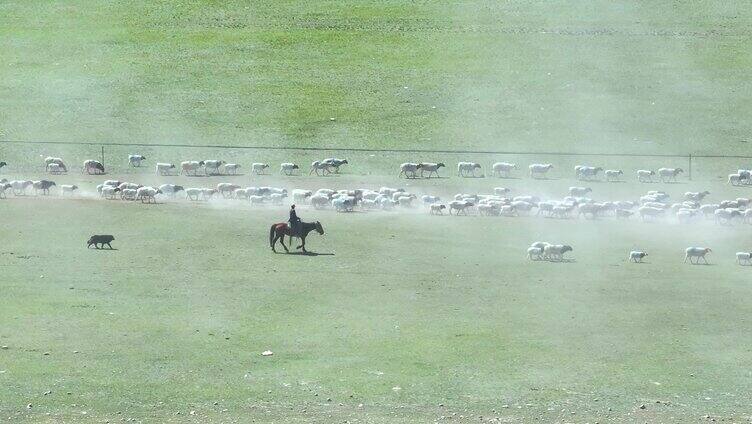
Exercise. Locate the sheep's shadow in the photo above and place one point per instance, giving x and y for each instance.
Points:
(309, 253)
(507, 178)
(102, 249)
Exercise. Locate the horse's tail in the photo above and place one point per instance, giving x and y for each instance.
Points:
(271, 235)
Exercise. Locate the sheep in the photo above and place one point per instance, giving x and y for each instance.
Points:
(193, 193)
(539, 170)
(3, 188)
(685, 216)
(319, 201)
(743, 258)
(503, 169)
(696, 253)
(211, 167)
(645, 175)
(343, 204)
(147, 194)
(288, 168)
(300, 196)
(163, 168)
(113, 183)
(583, 172)
(734, 179)
(256, 200)
(58, 168)
(460, 206)
(535, 253)
(406, 201)
(669, 174)
(135, 160)
(726, 216)
(190, 167)
(317, 166)
(437, 209)
(501, 191)
(258, 168)
(555, 252)
(227, 189)
(747, 216)
(508, 211)
(636, 256)
(431, 168)
(409, 170)
(92, 167)
(623, 213)
(170, 189)
(208, 193)
(128, 194)
(696, 196)
(579, 191)
(650, 212)
(277, 198)
(43, 186)
(546, 208)
(369, 204)
(232, 168)
(528, 199)
(593, 209)
(19, 186)
(2, 164)
(522, 206)
(745, 175)
(492, 209)
(540, 244)
(467, 169)
(68, 188)
(132, 186)
(613, 174)
(109, 191)
(334, 163)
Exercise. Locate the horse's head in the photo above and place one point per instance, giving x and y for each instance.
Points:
(319, 228)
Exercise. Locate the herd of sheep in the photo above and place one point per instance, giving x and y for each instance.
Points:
(544, 251)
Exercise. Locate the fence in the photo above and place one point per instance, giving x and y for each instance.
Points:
(103, 150)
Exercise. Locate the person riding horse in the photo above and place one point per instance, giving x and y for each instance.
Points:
(294, 222)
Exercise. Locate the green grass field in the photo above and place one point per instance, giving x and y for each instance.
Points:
(401, 317)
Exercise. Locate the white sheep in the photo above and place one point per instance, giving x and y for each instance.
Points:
(555, 252)
(431, 168)
(60, 165)
(437, 209)
(147, 194)
(535, 253)
(128, 194)
(124, 185)
(163, 168)
(726, 216)
(583, 172)
(211, 167)
(613, 174)
(743, 258)
(135, 160)
(170, 189)
(319, 201)
(460, 206)
(277, 198)
(467, 169)
(317, 166)
(55, 169)
(300, 196)
(539, 170)
(109, 191)
(19, 186)
(68, 188)
(429, 200)
(503, 169)
(645, 175)
(409, 170)
(288, 168)
(650, 212)
(258, 168)
(696, 253)
(696, 196)
(636, 256)
(232, 168)
(734, 179)
(579, 191)
(343, 204)
(669, 174)
(190, 167)
(256, 200)
(227, 189)
(193, 193)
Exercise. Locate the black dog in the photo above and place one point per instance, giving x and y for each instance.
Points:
(100, 240)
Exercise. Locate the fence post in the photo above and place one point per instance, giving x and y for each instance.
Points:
(690, 167)
(102, 155)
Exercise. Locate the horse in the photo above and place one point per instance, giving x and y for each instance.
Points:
(282, 229)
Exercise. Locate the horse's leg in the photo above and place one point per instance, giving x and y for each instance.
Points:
(302, 244)
(282, 240)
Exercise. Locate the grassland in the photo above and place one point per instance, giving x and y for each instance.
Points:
(402, 317)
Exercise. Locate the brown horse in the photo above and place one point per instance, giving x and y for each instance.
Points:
(279, 231)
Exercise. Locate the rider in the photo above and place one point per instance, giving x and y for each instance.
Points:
(294, 222)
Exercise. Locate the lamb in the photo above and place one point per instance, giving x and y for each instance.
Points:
(636, 256)
(583, 172)
(19, 186)
(645, 175)
(503, 169)
(743, 258)
(467, 169)
(555, 252)
(460, 206)
(92, 167)
(147, 194)
(535, 253)
(258, 168)
(579, 191)
(135, 160)
(190, 167)
(613, 174)
(59, 165)
(669, 174)
(300, 196)
(696, 253)
(334, 163)
(539, 170)
(163, 168)
(431, 168)
(409, 170)
(437, 209)
(211, 167)
(170, 189)
(317, 166)
(288, 168)
(43, 186)
(231, 168)
(68, 188)
(696, 196)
